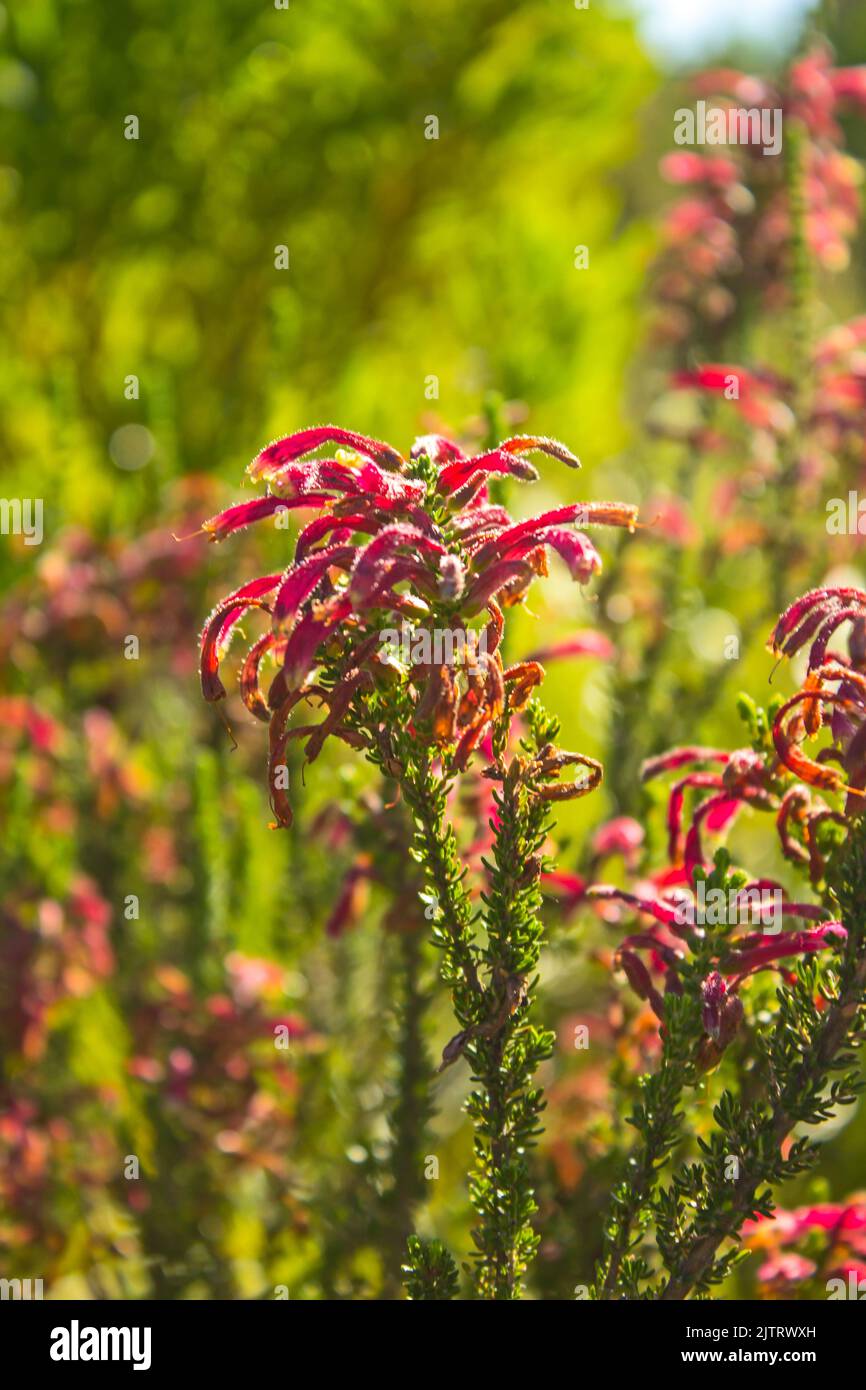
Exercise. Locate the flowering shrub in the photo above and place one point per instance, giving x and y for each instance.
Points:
(820, 1008)
(452, 1027)
(440, 554)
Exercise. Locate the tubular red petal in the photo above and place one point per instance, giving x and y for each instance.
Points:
(388, 486)
(487, 585)
(245, 513)
(349, 904)
(299, 581)
(316, 530)
(220, 625)
(799, 943)
(681, 757)
(307, 636)
(715, 376)
(818, 650)
(472, 524)
(526, 443)
(586, 643)
(456, 475)
(294, 446)
(823, 599)
(653, 907)
(640, 980)
(397, 572)
(575, 548)
(369, 570)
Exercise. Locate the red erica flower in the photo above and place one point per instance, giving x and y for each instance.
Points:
(735, 217)
(782, 778)
(406, 547)
(834, 1233)
(741, 779)
(673, 930)
(722, 1011)
(814, 621)
(754, 394)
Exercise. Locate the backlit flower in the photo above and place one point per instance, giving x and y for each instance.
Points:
(410, 545)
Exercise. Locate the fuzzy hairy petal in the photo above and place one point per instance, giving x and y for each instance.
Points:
(294, 446)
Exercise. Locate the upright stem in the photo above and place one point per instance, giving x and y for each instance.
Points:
(411, 1109)
(658, 1121)
(435, 847)
(502, 1047)
(507, 1051)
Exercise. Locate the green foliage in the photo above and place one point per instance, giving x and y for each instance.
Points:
(819, 1021)
(430, 1274)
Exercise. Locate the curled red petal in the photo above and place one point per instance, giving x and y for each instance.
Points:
(494, 629)
(299, 581)
(249, 679)
(676, 802)
(307, 636)
(717, 812)
(791, 755)
(339, 699)
(277, 771)
(220, 625)
(370, 567)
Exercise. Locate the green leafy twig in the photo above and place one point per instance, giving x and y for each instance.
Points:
(808, 1043)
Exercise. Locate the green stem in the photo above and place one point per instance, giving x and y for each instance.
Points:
(508, 1048)
(411, 1110)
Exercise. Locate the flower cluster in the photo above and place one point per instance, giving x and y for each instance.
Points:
(827, 1240)
(51, 951)
(414, 539)
(833, 694)
(737, 216)
(776, 774)
(773, 775)
(672, 937)
(761, 402)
